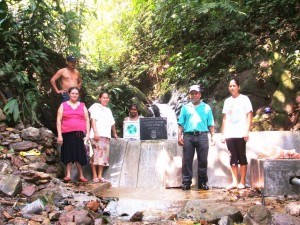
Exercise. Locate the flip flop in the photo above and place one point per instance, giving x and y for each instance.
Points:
(67, 179)
(96, 180)
(102, 180)
(83, 179)
(241, 186)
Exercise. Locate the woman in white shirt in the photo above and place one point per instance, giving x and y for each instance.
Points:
(237, 119)
(103, 124)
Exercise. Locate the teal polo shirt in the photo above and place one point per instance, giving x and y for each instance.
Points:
(197, 118)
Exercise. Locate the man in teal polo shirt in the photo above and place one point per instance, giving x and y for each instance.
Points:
(195, 121)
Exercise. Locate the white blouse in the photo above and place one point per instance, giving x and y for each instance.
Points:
(104, 120)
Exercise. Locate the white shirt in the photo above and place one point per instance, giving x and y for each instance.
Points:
(104, 120)
(236, 110)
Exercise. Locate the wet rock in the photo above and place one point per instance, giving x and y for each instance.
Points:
(93, 205)
(46, 222)
(46, 133)
(258, 215)
(69, 208)
(36, 177)
(7, 215)
(77, 216)
(5, 167)
(15, 136)
(56, 170)
(2, 127)
(51, 159)
(20, 221)
(53, 192)
(293, 208)
(17, 162)
(284, 219)
(10, 185)
(23, 146)
(37, 166)
(32, 134)
(225, 220)
(138, 216)
(212, 213)
(54, 216)
(38, 218)
(29, 190)
(5, 133)
(2, 116)
(19, 127)
(98, 221)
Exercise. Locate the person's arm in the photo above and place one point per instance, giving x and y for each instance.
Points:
(79, 80)
(180, 135)
(94, 127)
(58, 124)
(87, 122)
(223, 128)
(249, 123)
(212, 134)
(53, 80)
(125, 119)
(114, 131)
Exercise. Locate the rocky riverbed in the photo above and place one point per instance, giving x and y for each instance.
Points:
(32, 192)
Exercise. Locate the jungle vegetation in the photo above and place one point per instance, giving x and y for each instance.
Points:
(138, 49)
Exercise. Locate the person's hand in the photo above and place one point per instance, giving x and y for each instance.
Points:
(246, 138)
(212, 140)
(96, 137)
(180, 140)
(222, 139)
(115, 136)
(61, 91)
(59, 140)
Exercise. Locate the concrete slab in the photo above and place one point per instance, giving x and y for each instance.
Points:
(145, 164)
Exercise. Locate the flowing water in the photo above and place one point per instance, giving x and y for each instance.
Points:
(167, 111)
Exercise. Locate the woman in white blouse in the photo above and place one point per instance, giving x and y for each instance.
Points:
(103, 124)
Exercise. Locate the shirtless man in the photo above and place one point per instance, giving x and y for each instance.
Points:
(70, 77)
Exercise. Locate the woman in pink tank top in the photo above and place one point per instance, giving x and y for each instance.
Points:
(72, 125)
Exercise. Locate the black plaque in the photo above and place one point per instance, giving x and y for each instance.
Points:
(153, 128)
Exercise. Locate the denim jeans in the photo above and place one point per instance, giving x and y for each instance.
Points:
(199, 143)
(65, 97)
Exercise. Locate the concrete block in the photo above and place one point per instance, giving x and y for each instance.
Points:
(116, 159)
(130, 168)
(154, 157)
(274, 176)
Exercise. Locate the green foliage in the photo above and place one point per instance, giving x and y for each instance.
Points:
(29, 29)
(11, 109)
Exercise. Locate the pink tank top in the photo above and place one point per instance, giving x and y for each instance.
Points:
(73, 119)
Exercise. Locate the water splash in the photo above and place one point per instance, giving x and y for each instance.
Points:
(167, 111)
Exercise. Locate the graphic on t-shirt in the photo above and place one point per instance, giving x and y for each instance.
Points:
(131, 129)
(234, 114)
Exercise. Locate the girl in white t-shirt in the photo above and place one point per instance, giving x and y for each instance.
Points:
(103, 124)
(237, 119)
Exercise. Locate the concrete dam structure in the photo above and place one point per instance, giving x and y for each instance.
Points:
(157, 163)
